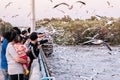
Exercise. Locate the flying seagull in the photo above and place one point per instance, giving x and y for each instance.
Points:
(81, 2)
(69, 6)
(15, 16)
(8, 4)
(61, 11)
(97, 42)
(109, 4)
(51, 0)
(29, 14)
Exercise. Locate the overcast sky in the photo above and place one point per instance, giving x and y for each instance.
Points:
(17, 13)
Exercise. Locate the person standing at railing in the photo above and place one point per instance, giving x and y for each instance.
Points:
(34, 47)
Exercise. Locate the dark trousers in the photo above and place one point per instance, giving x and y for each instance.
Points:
(17, 77)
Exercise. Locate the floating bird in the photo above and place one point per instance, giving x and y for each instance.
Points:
(8, 4)
(69, 6)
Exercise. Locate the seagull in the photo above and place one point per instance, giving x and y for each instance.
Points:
(109, 4)
(61, 11)
(81, 2)
(53, 30)
(8, 4)
(29, 14)
(15, 16)
(87, 11)
(69, 6)
(102, 17)
(88, 29)
(19, 8)
(51, 1)
(97, 42)
(4, 16)
(99, 16)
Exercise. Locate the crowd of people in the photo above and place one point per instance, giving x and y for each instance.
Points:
(18, 50)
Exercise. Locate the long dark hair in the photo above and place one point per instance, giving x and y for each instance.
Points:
(18, 38)
(12, 36)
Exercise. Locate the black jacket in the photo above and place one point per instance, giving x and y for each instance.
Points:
(34, 52)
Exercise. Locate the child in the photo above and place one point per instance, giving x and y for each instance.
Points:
(22, 50)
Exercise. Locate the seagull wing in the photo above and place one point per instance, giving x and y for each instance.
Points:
(61, 11)
(108, 3)
(90, 41)
(51, 0)
(8, 4)
(95, 36)
(99, 16)
(104, 43)
(29, 14)
(81, 2)
(15, 15)
(97, 41)
(61, 4)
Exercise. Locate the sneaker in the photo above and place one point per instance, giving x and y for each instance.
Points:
(27, 72)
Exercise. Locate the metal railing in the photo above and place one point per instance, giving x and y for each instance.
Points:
(46, 75)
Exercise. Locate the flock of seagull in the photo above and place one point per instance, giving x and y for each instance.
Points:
(93, 40)
(55, 6)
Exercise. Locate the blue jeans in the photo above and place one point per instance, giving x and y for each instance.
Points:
(5, 74)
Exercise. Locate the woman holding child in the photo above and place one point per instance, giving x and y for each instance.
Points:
(15, 68)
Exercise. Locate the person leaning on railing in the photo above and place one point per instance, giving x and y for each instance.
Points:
(34, 47)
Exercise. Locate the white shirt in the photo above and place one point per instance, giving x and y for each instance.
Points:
(13, 66)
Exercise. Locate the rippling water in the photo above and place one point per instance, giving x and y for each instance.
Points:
(85, 63)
